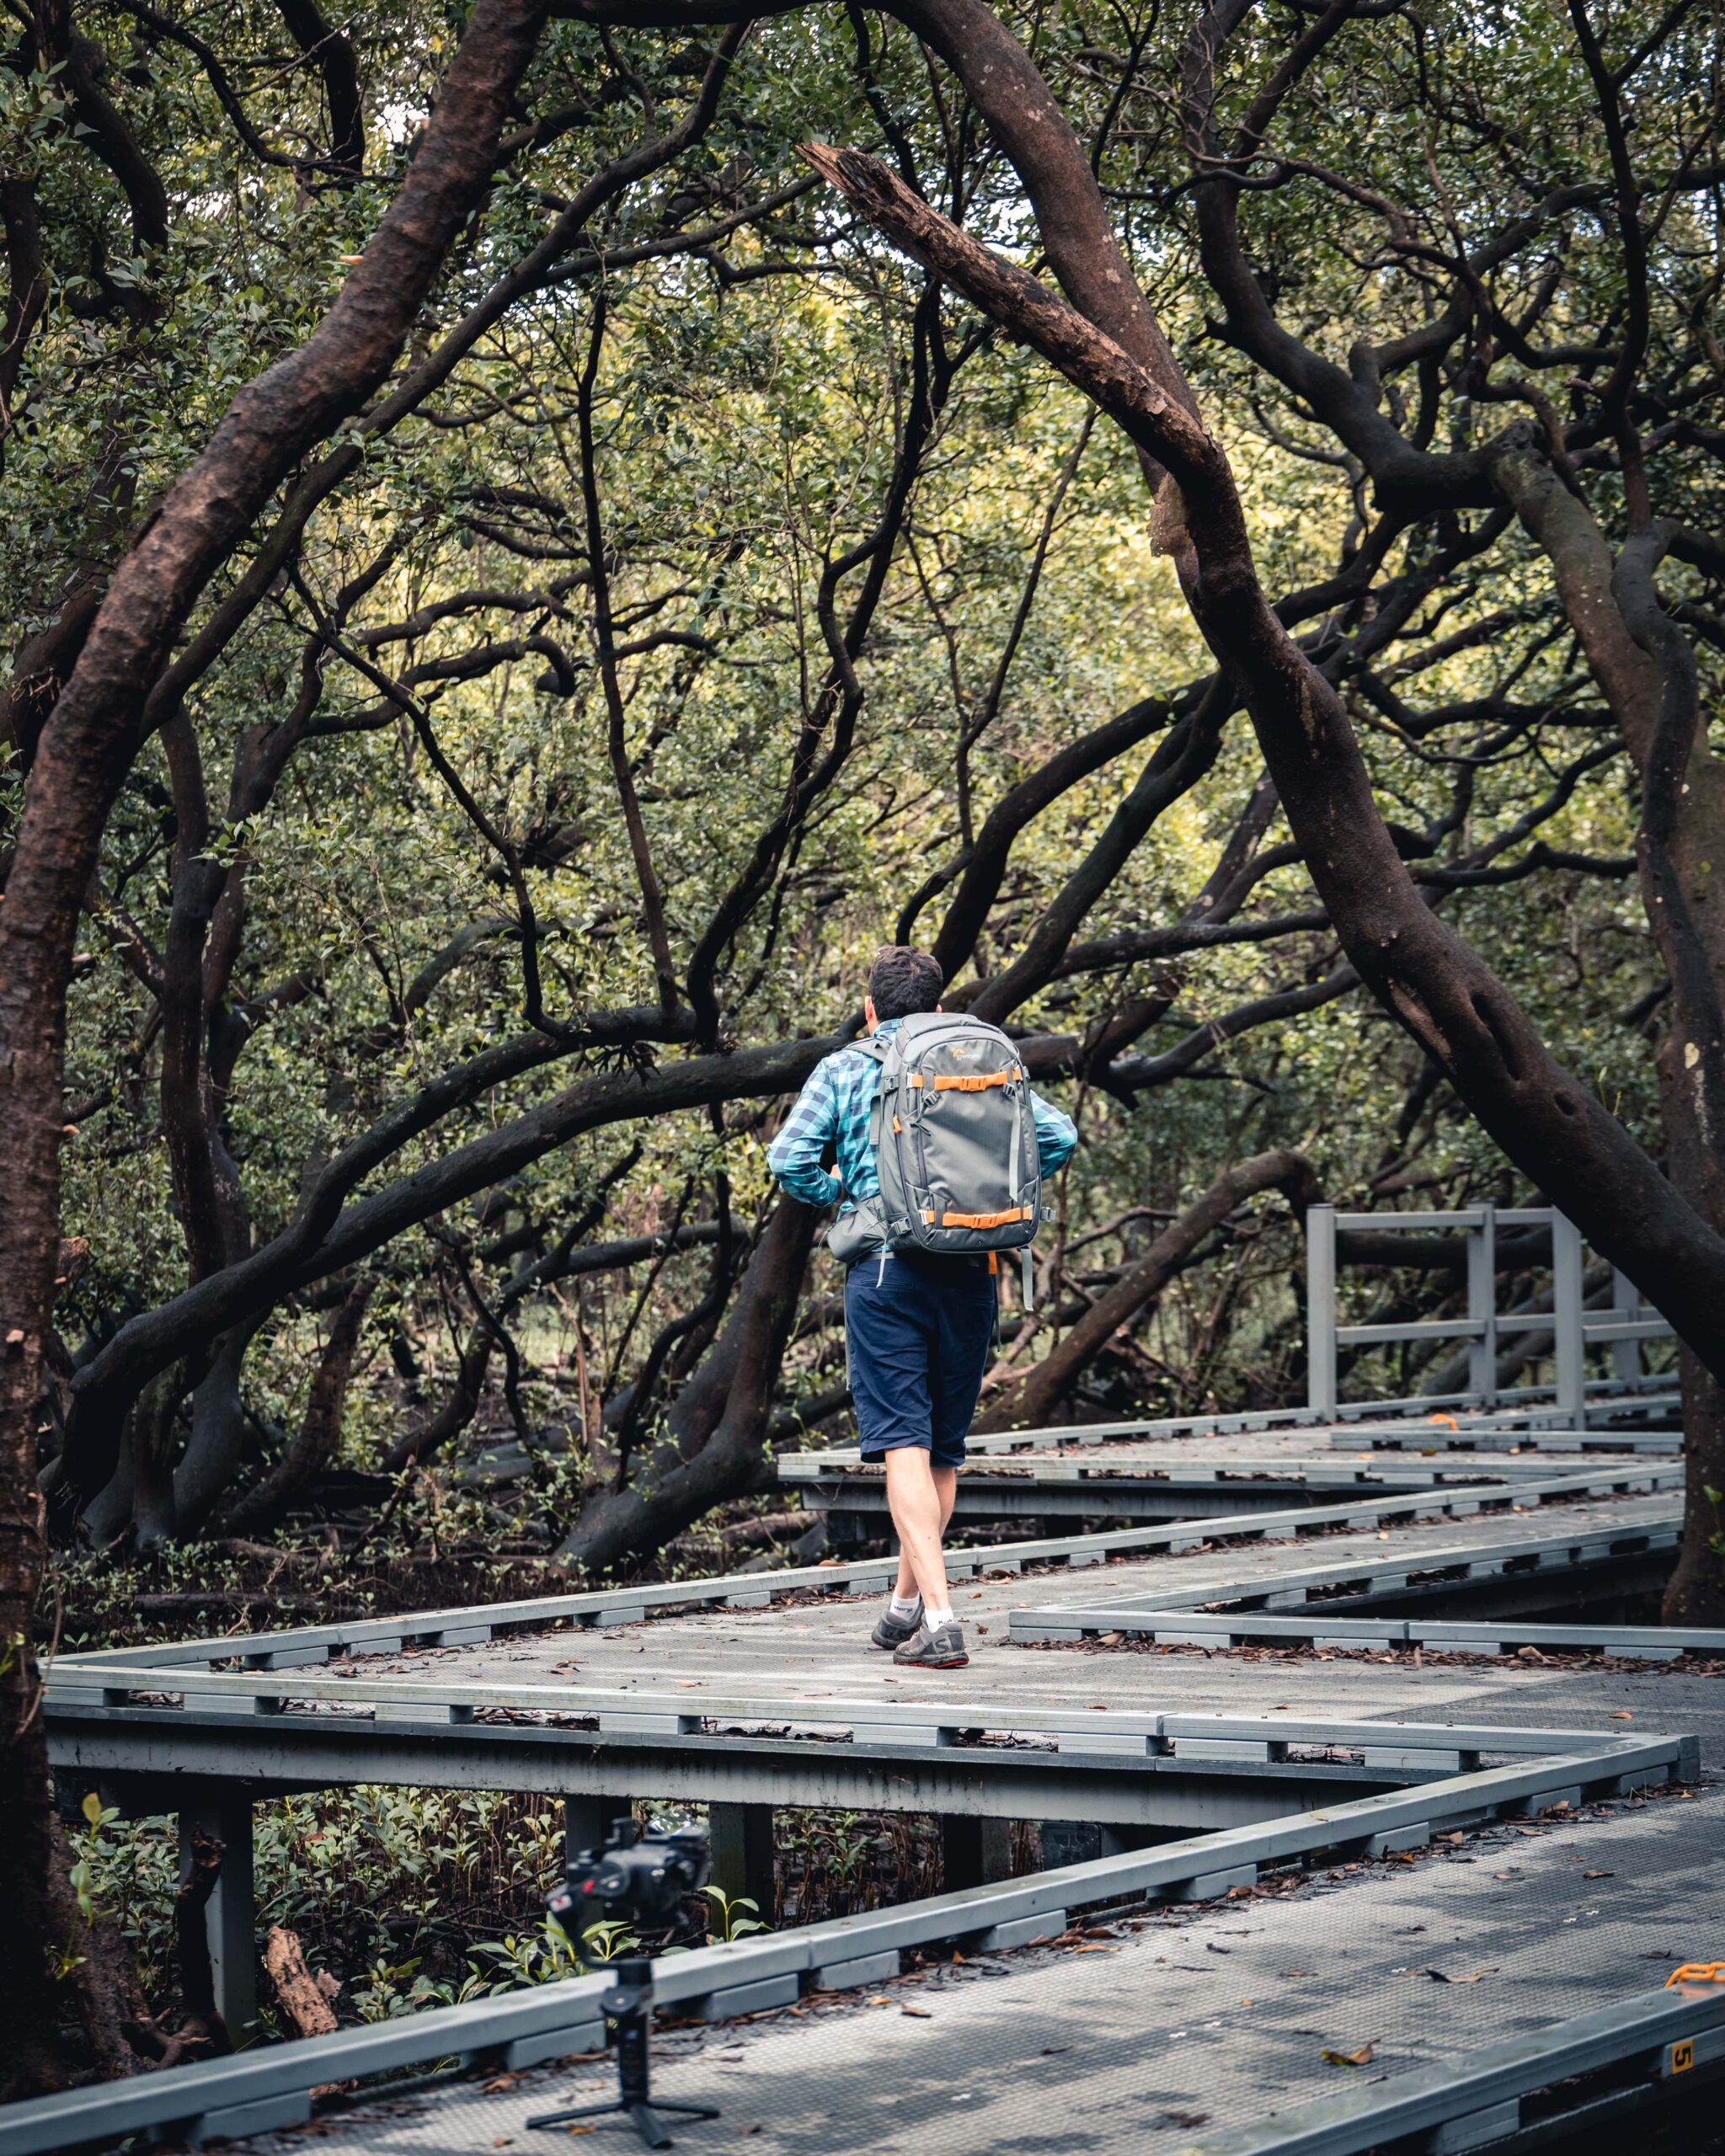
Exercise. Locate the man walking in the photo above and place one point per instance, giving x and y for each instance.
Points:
(918, 1324)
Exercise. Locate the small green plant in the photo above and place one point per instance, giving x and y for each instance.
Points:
(390, 1990)
(70, 1955)
(734, 1916)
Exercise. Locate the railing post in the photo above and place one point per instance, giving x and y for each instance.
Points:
(1321, 1310)
(1482, 1306)
(1567, 1299)
(224, 1811)
(1626, 1303)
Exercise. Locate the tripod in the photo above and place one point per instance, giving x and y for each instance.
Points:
(630, 2005)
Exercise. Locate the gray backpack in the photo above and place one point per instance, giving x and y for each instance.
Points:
(954, 1139)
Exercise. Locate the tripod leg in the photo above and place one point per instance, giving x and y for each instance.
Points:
(580, 2111)
(687, 2111)
(647, 2126)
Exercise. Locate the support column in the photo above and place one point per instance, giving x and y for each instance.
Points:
(587, 1819)
(1482, 1307)
(224, 1809)
(1626, 1304)
(1321, 1310)
(742, 1853)
(1567, 1297)
(1075, 1841)
(974, 1852)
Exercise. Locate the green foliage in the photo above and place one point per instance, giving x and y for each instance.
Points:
(750, 398)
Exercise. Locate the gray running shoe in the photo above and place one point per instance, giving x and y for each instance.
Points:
(893, 1631)
(941, 1649)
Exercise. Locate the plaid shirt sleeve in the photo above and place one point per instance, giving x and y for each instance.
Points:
(812, 1125)
(1056, 1136)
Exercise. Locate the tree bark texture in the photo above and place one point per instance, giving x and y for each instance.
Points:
(82, 756)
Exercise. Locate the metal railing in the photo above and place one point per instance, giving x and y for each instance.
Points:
(273, 2086)
(1621, 1327)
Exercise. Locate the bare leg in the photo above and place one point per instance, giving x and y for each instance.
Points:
(920, 1498)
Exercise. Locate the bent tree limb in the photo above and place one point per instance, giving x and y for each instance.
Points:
(1030, 1401)
(1435, 986)
(671, 1489)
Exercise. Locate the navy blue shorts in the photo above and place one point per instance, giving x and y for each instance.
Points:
(918, 1331)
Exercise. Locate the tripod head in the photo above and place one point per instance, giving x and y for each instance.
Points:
(638, 1876)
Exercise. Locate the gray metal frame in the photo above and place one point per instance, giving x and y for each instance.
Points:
(1490, 1437)
(271, 2087)
(1301, 1606)
(1190, 1469)
(1575, 1329)
(852, 1496)
(1649, 1396)
(472, 1624)
(1476, 2099)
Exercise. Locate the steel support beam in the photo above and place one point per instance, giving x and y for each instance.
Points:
(588, 1819)
(994, 1782)
(743, 1855)
(974, 1852)
(1482, 1305)
(223, 1811)
(1321, 1310)
(1568, 1295)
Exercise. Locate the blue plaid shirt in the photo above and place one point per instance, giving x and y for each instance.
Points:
(832, 1109)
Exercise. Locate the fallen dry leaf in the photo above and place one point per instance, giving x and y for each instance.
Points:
(1089, 1948)
(1184, 2118)
(1361, 2057)
(1599, 1875)
(1621, 1713)
(918, 2013)
(1438, 1977)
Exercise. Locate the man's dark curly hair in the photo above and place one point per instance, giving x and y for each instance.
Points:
(902, 979)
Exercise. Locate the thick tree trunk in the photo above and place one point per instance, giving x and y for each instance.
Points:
(727, 1407)
(1032, 1399)
(82, 756)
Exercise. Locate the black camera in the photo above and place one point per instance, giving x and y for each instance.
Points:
(641, 1876)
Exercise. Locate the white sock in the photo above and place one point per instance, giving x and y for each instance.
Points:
(903, 1609)
(934, 1619)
